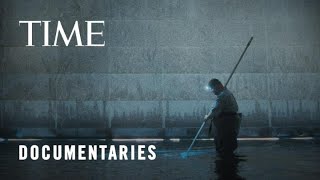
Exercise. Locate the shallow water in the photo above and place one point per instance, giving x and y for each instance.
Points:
(283, 159)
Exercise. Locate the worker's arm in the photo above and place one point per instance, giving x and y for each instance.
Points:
(216, 110)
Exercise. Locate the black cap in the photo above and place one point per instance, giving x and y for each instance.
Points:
(213, 82)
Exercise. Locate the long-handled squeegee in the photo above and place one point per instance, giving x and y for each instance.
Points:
(185, 154)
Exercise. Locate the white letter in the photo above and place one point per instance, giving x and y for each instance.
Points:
(132, 152)
(34, 152)
(112, 153)
(23, 152)
(90, 33)
(46, 33)
(93, 152)
(81, 152)
(103, 151)
(64, 36)
(123, 150)
(153, 154)
(57, 152)
(44, 149)
(30, 30)
(69, 152)
(141, 152)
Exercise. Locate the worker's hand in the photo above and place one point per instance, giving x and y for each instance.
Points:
(206, 117)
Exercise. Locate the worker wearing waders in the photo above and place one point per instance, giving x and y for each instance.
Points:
(224, 118)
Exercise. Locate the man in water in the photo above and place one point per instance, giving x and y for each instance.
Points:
(225, 118)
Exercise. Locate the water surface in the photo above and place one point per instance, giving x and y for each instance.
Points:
(283, 159)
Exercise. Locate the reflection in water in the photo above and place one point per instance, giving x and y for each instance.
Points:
(226, 167)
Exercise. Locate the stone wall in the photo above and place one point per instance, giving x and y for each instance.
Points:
(158, 57)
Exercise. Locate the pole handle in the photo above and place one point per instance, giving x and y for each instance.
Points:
(234, 69)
